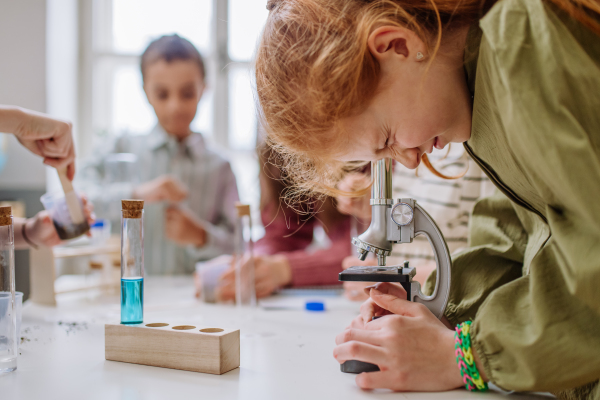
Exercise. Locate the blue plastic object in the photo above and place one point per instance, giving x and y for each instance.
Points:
(315, 306)
(98, 224)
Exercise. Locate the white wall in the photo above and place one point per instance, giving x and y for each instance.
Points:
(23, 82)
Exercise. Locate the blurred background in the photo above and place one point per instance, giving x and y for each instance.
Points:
(79, 60)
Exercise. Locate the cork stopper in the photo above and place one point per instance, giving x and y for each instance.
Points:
(242, 209)
(132, 208)
(5, 216)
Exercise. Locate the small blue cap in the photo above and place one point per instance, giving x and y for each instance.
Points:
(98, 224)
(315, 306)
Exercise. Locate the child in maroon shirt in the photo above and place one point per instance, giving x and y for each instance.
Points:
(283, 255)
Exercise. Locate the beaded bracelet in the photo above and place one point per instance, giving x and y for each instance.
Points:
(465, 360)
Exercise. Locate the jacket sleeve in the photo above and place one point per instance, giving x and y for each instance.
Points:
(322, 267)
(289, 235)
(540, 332)
(494, 257)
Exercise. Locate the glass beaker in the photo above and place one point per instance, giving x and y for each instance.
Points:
(8, 309)
(207, 277)
(245, 291)
(56, 205)
(121, 176)
(132, 261)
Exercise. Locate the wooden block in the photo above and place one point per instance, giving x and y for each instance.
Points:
(42, 276)
(186, 347)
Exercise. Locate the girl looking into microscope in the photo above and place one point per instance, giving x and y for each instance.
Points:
(516, 81)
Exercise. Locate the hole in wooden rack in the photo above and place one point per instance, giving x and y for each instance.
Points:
(157, 325)
(211, 330)
(183, 327)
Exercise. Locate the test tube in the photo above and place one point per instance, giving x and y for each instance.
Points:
(245, 292)
(8, 309)
(132, 261)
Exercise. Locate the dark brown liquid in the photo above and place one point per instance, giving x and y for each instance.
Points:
(66, 232)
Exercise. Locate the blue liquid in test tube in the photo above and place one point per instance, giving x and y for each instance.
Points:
(132, 300)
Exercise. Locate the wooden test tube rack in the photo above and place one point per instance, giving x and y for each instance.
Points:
(185, 347)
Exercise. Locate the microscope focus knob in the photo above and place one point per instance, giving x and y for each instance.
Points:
(402, 214)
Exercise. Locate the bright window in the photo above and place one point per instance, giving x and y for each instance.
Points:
(224, 31)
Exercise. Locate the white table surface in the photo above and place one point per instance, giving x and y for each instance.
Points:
(285, 354)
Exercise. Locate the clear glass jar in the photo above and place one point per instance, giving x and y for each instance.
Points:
(245, 292)
(132, 262)
(8, 310)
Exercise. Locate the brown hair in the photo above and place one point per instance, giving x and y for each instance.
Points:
(313, 68)
(171, 48)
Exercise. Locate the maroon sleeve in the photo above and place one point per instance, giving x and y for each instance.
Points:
(290, 235)
(323, 266)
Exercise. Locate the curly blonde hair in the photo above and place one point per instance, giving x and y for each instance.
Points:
(313, 68)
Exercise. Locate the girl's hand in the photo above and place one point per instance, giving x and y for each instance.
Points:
(413, 349)
(356, 206)
(370, 308)
(270, 273)
(211, 271)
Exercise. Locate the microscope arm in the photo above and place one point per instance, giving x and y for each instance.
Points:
(436, 303)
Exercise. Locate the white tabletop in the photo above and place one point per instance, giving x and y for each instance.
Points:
(285, 354)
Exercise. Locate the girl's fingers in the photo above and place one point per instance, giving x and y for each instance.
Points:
(398, 306)
(228, 276)
(360, 335)
(263, 287)
(357, 323)
(391, 288)
(360, 351)
(367, 310)
(226, 292)
(263, 291)
(374, 380)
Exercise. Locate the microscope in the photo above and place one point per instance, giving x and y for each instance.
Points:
(391, 223)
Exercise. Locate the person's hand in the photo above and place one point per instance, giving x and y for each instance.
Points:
(215, 263)
(40, 229)
(88, 212)
(355, 290)
(370, 308)
(356, 206)
(47, 137)
(183, 227)
(163, 188)
(270, 273)
(413, 349)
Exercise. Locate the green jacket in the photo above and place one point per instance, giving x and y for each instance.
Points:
(530, 279)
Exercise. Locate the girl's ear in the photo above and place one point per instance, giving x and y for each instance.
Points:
(395, 44)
